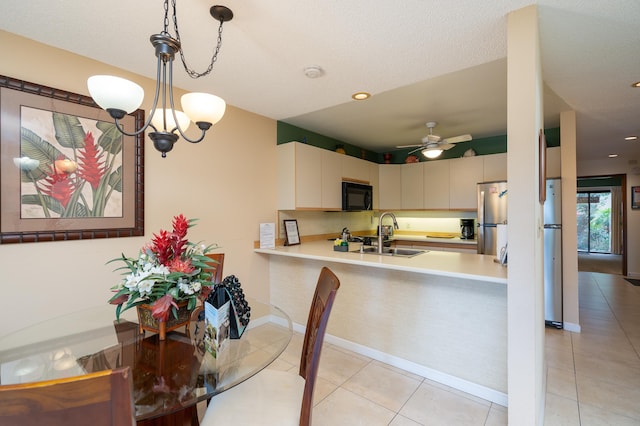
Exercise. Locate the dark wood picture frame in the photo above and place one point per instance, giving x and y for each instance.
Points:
(542, 178)
(103, 196)
(635, 197)
(291, 232)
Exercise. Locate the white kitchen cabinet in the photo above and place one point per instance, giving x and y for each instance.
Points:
(299, 176)
(390, 184)
(412, 184)
(553, 162)
(331, 185)
(375, 183)
(464, 174)
(311, 178)
(355, 169)
(494, 167)
(436, 185)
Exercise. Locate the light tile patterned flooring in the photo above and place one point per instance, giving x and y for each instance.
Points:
(593, 377)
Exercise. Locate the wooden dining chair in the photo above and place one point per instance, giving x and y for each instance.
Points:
(104, 398)
(280, 398)
(216, 266)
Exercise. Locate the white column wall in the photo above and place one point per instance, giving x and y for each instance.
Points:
(570, 313)
(525, 313)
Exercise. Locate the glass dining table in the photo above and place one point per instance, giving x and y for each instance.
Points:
(169, 376)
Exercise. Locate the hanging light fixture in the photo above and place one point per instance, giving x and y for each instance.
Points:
(431, 152)
(120, 97)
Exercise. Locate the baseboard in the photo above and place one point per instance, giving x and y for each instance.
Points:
(574, 328)
(474, 389)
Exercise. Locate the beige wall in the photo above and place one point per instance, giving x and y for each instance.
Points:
(228, 181)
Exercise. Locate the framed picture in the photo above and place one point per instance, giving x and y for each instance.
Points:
(66, 172)
(292, 236)
(542, 177)
(635, 197)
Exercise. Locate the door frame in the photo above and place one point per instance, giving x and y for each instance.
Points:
(623, 187)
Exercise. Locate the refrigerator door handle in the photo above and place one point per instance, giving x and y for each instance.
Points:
(481, 222)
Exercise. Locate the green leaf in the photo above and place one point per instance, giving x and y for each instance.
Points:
(51, 203)
(111, 139)
(33, 146)
(115, 179)
(69, 131)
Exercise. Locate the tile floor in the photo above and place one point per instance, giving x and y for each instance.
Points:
(593, 377)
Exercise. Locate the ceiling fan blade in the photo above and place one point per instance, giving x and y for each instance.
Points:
(409, 146)
(446, 146)
(456, 139)
(420, 148)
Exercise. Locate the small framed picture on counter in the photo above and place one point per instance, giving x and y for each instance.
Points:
(292, 236)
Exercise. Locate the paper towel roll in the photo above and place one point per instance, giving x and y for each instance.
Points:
(501, 239)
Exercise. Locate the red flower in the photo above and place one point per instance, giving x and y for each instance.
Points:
(162, 307)
(161, 246)
(91, 168)
(179, 265)
(58, 186)
(120, 300)
(179, 237)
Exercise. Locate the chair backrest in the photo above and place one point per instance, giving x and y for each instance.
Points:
(216, 267)
(319, 312)
(102, 398)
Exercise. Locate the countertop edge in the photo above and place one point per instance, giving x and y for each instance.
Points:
(350, 258)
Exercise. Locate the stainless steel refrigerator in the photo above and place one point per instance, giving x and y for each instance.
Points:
(492, 210)
(553, 254)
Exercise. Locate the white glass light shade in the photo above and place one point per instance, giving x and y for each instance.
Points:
(112, 92)
(203, 107)
(156, 120)
(431, 153)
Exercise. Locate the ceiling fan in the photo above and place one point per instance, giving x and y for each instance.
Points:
(433, 145)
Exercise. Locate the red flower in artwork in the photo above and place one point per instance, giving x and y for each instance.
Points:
(91, 167)
(58, 186)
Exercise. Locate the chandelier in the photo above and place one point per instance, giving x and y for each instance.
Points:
(120, 97)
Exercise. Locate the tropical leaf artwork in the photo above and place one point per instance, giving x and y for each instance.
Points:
(69, 166)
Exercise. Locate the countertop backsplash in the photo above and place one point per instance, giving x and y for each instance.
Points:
(318, 222)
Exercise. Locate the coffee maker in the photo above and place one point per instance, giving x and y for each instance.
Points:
(467, 231)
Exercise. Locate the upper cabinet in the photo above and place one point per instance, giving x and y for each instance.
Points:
(494, 167)
(436, 185)
(553, 162)
(412, 182)
(390, 186)
(464, 174)
(310, 178)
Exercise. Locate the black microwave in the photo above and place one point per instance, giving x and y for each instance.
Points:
(356, 196)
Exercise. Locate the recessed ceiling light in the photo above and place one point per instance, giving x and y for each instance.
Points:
(631, 138)
(361, 96)
(613, 155)
(636, 84)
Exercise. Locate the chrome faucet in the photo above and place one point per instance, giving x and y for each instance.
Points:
(380, 237)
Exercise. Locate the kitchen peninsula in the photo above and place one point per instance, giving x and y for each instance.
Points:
(441, 315)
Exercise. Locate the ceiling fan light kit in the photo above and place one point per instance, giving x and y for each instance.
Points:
(433, 145)
(119, 96)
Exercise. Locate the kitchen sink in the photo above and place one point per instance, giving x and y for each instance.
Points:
(390, 251)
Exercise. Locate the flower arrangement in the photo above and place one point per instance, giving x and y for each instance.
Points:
(168, 270)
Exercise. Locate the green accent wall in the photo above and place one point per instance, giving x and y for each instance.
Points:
(596, 182)
(484, 146)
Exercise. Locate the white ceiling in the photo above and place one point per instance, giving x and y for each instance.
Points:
(423, 60)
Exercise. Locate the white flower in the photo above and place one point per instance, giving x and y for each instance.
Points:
(144, 287)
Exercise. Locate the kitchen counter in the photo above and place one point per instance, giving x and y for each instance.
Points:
(447, 264)
(440, 314)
